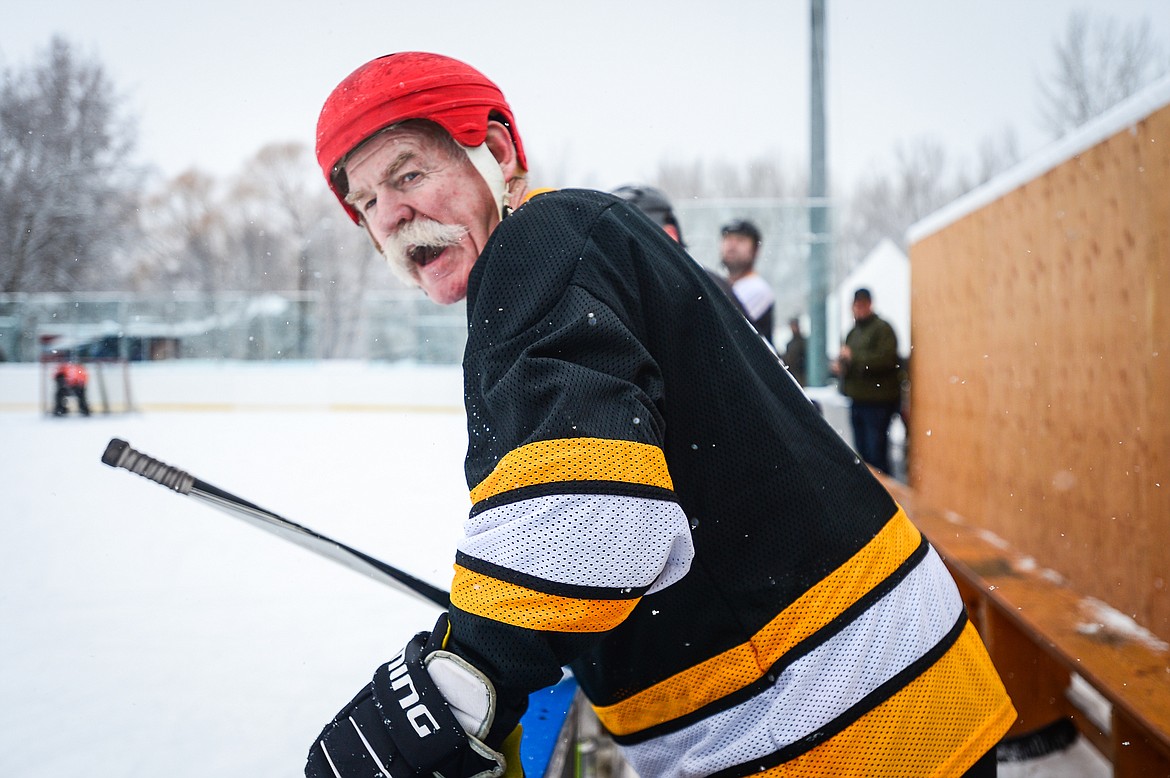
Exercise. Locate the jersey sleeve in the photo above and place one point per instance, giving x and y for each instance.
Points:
(574, 517)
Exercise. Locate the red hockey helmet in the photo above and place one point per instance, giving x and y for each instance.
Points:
(408, 85)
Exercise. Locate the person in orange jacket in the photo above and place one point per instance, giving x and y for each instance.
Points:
(71, 378)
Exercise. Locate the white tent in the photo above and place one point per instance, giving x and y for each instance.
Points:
(885, 272)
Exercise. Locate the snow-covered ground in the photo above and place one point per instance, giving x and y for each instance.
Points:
(143, 634)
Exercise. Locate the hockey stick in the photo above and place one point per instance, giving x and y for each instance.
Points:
(118, 453)
(548, 709)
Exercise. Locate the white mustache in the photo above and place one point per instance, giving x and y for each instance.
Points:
(416, 243)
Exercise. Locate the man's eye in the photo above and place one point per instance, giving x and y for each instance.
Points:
(410, 177)
(368, 204)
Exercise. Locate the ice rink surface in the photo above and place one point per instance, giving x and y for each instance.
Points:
(143, 633)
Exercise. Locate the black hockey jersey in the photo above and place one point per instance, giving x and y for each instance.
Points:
(657, 504)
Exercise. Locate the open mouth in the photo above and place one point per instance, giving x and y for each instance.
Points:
(424, 255)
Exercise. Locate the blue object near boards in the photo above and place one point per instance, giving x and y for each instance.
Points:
(548, 710)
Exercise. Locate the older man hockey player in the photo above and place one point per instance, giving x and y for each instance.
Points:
(654, 501)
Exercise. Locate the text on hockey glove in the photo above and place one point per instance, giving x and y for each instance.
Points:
(401, 725)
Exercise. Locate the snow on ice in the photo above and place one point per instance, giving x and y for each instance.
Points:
(143, 633)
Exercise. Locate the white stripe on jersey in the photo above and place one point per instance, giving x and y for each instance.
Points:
(817, 688)
(754, 294)
(586, 539)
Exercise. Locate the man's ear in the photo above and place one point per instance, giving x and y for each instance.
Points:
(500, 144)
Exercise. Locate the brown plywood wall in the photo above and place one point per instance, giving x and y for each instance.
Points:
(1040, 394)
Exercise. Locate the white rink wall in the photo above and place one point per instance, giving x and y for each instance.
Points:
(243, 385)
(143, 633)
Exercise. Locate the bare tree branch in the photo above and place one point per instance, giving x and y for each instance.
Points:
(1098, 64)
(66, 186)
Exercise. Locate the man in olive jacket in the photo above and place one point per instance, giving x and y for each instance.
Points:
(868, 371)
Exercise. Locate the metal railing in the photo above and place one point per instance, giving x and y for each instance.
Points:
(383, 325)
(390, 326)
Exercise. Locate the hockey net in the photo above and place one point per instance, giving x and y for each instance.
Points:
(108, 390)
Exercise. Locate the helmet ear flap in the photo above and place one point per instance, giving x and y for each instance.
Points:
(489, 169)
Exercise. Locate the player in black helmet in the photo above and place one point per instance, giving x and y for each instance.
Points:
(655, 204)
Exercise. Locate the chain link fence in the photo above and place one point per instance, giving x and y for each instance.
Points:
(784, 248)
(384, 326)
(390, 326)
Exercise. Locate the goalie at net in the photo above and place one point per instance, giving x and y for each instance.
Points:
(84, 385)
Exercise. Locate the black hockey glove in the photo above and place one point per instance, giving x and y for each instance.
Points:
(402, 725)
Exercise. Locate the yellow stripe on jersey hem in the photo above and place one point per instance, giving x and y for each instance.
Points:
(521, 606)
(576, 459)
(943, 721)
(743, 665)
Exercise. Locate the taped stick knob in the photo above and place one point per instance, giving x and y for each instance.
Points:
(119, 453)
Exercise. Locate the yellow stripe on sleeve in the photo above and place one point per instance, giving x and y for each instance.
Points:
(576, 459)
(520, 606)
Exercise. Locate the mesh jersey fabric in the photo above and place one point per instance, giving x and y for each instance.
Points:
(657, 504)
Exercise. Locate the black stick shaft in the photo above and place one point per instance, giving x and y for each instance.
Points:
(118, 453)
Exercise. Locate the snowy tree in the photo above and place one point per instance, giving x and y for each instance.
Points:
(885, 203)
(352, 269)
(763, 176)
(184, 224)
(1098, 64)
(280, 205)
(66, 188)
(266, 211)
(277, 189)
(995, 155)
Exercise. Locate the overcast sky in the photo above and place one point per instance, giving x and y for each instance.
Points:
(602, 89)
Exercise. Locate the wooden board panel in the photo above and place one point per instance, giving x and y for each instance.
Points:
(1041, 369)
